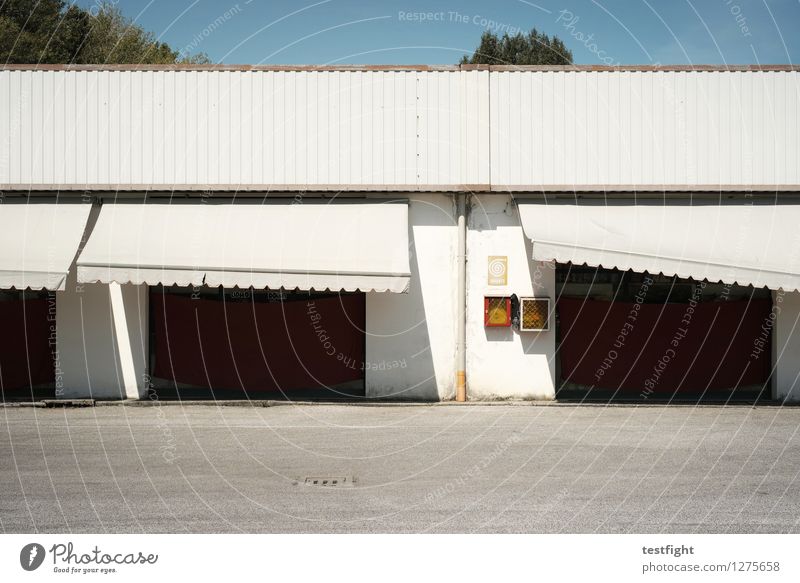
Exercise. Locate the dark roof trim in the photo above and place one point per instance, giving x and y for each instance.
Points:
(419, 68)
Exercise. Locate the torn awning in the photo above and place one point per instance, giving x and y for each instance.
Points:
(38, 241)
(319, 245)
(748, 244)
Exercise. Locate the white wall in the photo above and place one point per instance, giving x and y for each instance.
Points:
(576, 128)
(399, 127)
(786, 346)
(411, 337)
(87, 347)
(501, 362)
(410, 348)
(233, 127)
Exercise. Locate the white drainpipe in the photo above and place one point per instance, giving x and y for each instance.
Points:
(461, 340)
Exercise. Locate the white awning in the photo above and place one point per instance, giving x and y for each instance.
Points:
(748, 244)
(330, 245)
(38, 241)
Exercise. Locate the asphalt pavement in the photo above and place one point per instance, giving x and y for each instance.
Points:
(428, 468)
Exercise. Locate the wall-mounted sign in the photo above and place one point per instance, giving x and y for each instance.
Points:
(496, 311)
(534, 314)
(498, 270)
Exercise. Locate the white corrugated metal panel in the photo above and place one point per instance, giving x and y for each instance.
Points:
(38, 241)
(653, 128)
(194, 127)
(748, 244)
(315, 245)
(453, 128)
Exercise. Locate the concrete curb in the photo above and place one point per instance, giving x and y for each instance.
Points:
(82, 403)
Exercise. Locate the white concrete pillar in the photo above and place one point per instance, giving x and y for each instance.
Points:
(786, 346)
(87, 334)
(411, 337)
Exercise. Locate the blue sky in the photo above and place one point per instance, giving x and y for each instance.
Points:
(440, 31)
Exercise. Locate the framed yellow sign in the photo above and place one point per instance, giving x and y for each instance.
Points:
(498, 270)
(496, 311)
(534, 314)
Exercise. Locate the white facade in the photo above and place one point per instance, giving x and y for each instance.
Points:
(565, 130)
(503, 363)
(394, 128)
(429, 135)
(411, 337)
(243, 128)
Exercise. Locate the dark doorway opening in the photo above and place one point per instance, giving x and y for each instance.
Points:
(245, 344)
(629, 336)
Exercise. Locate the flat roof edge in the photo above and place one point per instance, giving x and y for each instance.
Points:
(334, 189)
(331, 189)
(410, 68)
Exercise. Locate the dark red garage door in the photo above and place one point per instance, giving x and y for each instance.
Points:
(298, 345)
(642, 336)
(26, 356)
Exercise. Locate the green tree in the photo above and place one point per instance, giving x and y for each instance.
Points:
(113, 38)
(535, 48)
(70, 37)
(40, 31)
(49, 31)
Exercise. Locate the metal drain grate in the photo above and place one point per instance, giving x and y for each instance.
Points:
(331, 481)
